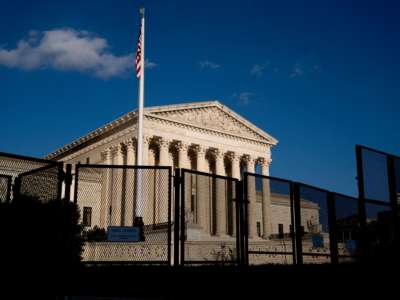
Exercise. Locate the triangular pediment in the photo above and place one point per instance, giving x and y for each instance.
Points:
(214, 116)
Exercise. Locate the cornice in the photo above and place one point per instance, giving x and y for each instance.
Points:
(149, 114)
(207, 130)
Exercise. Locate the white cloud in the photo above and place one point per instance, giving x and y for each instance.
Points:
(297, 71)
(67, 49)
(148, 64)
(257, 70)
(206, 64)
(243, 97)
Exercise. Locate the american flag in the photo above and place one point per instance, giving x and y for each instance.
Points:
(139, 56)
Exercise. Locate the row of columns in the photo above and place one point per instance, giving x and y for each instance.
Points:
(118, 192)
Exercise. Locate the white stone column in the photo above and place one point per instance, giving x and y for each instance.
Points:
(220, 205)
(146, 143)
(163, 155)
(266, 199)
(252, 198)
(162, 192)
(235, 174)
(203, 190)
(145, 199)
(161, 186)
(117, 205)
(183, 163)
(183, 158)
(105, 191)
(130, 183)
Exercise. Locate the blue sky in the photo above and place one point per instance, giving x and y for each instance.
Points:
(320, 76)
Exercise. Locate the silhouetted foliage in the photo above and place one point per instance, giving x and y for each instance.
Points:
(40, 235)
(383, 240)
(96, 234)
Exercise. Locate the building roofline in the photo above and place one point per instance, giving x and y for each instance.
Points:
(149, 110)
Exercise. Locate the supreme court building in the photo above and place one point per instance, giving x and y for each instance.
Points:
(203, 136)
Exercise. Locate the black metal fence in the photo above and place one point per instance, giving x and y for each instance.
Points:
(209, 214)
(378, 176)
(30, 177)
(294, 223)
(212, 219)
(270, 219)
(113, 209)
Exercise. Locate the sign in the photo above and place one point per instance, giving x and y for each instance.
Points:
(318, 241)
(351, 246)
(123, 234)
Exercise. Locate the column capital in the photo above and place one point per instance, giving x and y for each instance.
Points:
(130, 143)
(199, 149)
(106, 154)
(248, 158)
(120, 148)
(236, 156)
(230, 155)
(264, 162)
(147, 139)
(218, 153)
(180, 145)
(161, 141)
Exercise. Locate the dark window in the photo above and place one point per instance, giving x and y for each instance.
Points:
(258, 228)
(280, 230)
(87, 217)
(87, 160)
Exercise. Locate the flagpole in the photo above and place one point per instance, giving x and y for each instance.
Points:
(141, 96)
(139, 207)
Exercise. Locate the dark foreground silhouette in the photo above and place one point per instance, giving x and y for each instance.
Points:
(41, 247)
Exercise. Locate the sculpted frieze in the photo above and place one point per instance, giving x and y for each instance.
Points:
(212, 118)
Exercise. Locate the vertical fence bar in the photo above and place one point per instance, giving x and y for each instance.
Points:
(332, 228)
(61, 178)
(182, 224)
(244, 221)
(169, 217)
(292, 218)
(393, 199)
(361, 201)
(76, 184)
(8, 195)
(392, 183)
(16, 188)
(297, 231)
(239, 238)
(68, 182)
(176, 218)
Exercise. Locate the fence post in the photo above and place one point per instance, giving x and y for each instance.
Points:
(240, 243)
(393, 199)
(244, 224)
(177, 180)
(361, 202)
(182, 221)
(68, 182)
(297, 231)
(8, 196)
(293, 227)
(16, 188)
(332, 228)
